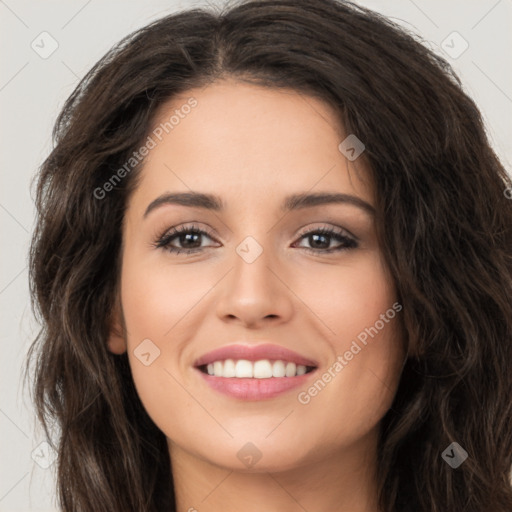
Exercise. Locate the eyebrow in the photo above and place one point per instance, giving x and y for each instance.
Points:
(292, 202)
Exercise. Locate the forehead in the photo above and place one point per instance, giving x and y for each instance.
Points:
(249, 143)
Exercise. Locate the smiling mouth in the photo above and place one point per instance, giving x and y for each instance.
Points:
(260, 369)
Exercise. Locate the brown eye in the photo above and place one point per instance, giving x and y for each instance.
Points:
(320, 240)
(188, 239)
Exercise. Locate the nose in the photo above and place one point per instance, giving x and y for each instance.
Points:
(255, 294)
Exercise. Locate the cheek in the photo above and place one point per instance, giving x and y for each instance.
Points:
(347, 298)
(359, 306)
(160, 300)
(158, 314)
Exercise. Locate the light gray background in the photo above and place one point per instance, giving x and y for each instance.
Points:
(32, 91)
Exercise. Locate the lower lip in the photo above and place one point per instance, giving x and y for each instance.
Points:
(254, 389)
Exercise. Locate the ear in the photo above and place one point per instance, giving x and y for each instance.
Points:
(116, 341)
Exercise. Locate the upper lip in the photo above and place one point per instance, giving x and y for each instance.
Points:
(254, 353)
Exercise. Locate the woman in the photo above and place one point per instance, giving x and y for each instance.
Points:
(273, 268)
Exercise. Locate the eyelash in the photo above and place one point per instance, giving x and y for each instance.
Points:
(165, 240)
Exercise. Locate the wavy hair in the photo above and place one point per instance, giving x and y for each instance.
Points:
(444, 224)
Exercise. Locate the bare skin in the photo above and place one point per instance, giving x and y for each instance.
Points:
(253, 147)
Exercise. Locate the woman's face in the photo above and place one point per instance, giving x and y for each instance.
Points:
(264, 283)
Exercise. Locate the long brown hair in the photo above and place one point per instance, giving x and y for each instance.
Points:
(444, 222)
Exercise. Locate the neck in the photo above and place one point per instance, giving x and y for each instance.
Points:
(343, 481)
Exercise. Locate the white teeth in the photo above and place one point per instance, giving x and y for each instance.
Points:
(243, 369)
(301, 369)
(290, 369)
(229, 368)
(217, 368)
(278, 369)
(262, 369)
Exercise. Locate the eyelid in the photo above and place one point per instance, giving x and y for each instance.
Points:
(193, 226)
(341, 234)
(335, 229)
(168, 233)
(164, 240)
